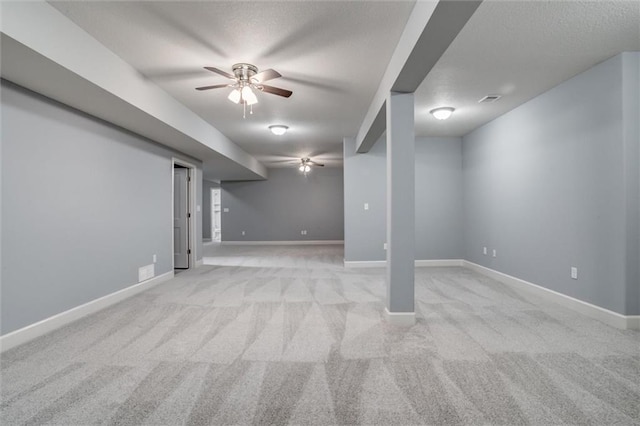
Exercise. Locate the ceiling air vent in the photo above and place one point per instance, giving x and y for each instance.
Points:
(489, 99)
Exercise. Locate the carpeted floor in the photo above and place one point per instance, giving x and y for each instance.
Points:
(286, 335)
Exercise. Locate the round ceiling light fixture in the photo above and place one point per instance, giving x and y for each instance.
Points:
(278, 129)
(442, 113)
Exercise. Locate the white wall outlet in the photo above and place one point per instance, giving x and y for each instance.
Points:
(494, 254)
(303, 232)
(226, 210)
(155, 258)
(366, 206)
(384, 246)
(198, 208)
(242, 232)
(484, 250)
(574, 272)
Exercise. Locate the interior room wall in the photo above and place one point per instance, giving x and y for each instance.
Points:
(631, 136)
(279, 208)
(438, 200)
(206, 207)
(544, 185)
(84, 205)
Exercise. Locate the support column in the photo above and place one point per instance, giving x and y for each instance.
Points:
(400, 309)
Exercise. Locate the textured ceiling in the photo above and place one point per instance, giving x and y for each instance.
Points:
(332, 55)
(520, 49)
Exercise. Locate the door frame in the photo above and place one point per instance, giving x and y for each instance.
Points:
(213, 221)
(192, 210)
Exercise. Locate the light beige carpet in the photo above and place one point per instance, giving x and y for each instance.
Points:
(286, 335)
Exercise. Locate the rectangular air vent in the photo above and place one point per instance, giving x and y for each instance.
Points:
(489, 99)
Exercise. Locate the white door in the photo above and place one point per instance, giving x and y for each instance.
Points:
(216, 219)
(181, 218)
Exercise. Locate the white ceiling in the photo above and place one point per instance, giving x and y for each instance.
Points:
(332, 55)
(520, 49)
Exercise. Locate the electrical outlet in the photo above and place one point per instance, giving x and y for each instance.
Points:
(226, 210)
(242, 232)
(384, 246)
(574, 272)
(155, 258)
(366, 206)
(494, 253)
(484, 250)
(303, 232)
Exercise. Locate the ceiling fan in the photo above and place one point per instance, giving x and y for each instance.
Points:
(246, 79)
(306, 163)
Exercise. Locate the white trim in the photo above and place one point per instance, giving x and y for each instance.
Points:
(193, 203)
(283, 243)
(400, 319)
(47, 325)
(633, 322)
(418, 263)
(439, 262)
(365, 263)
(614, 319)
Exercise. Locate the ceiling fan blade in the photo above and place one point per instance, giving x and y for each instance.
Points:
(266, 75)
(217, 71)
(216, 86)
(275, 90)
(316, 164)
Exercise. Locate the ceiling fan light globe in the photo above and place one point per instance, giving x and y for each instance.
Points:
(307, 168)
(248, 96)
(234, 96)
(301, 168)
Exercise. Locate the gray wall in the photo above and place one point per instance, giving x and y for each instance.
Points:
(84, 204)
(544, 185)
(206, 207)
(288, 202)
(631, 135)
(438, 200)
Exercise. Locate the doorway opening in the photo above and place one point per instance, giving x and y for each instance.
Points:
(216, 216)
(183, 199)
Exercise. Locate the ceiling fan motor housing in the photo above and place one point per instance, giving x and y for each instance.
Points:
(244, 72)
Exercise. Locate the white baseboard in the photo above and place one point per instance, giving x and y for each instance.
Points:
(439, 263)
(365, 263)
(614, 319)
(40, 328)
(283, 243)
(400, 319)
(418, 263)
(199, 262)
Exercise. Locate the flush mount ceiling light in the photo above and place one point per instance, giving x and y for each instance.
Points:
(442, 113)
(247, 79)
(278, 129)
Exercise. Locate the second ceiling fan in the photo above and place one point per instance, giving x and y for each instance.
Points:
(246, 79)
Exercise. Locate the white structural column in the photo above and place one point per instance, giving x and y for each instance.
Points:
(400, 309)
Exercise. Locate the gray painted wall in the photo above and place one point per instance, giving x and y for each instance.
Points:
(631, 135)
(84, 204)
(288, 202)
(438, 200)
(206, 207)
(544, 185)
